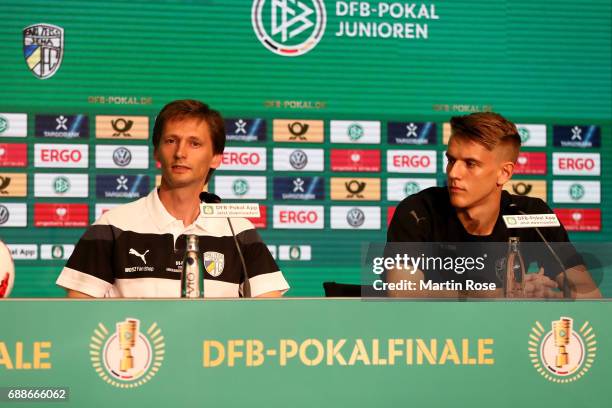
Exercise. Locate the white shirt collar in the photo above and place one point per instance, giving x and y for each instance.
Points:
(163, 220)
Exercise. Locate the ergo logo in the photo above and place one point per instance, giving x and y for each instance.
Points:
(570, 163)
(298, 217)
(244, 159)
(415, 161)
(579, 164)
(241, 158)
(61, 156)
(411, 161)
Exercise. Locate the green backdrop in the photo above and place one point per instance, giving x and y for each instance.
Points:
(539, 62)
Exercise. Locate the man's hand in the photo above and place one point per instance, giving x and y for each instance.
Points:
(76, 295)
(537, 285)
(271, 294)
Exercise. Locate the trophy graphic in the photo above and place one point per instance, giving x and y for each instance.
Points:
(128, 332)
(562, 330)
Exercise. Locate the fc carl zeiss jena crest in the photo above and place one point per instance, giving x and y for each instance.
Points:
(43, 49)
(214, 262)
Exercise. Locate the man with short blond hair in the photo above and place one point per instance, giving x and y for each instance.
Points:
(482, 153)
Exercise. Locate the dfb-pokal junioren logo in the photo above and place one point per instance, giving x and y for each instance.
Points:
(564, 353)
(128, 356)
(289, 27)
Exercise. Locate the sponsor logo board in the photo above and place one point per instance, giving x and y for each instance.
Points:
(261, 222)
(400, 188)
(13, 155)
(297, 130)
(346, 217)
(122, 157)
(244, 159)
(13, 125)
(295, 252)
(355, 160)
(240, 187)
(245, 130)
(411, 161)
(61, 185)
(411, 133)
(23, 252)
(576, 164)
(62, 126)
(13, 185)
(56, 251)
(530, 163)
(61, 215)
(299, 188)
(532, 135)
(298, 217)
(286, 159)
(61, 155)
(122, 127)
(580, 219)
(348, 131)
(576, 191)
(524, 187)
(122, 185)
(13, 214)
(577, 136)
(348, 188)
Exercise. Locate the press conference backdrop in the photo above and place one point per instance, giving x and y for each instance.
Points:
(335, 112)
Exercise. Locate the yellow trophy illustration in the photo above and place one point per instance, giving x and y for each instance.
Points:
(128, 332)
(562, 330)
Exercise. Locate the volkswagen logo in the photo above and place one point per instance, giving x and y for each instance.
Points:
(4, 214)
(355, 217)
(298, 159)
(122, 156)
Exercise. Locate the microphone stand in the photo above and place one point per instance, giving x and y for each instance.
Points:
(211, 198)
(565, 289)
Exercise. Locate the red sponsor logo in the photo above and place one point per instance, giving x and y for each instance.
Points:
(60, 155)
(390, 212)
(298, 217)
(531, 163)
(13, 154)
(570, 163)
(580, 219)
(406, 161)
(61, 215)
(261, 222)
(241, 158)
(355, 160)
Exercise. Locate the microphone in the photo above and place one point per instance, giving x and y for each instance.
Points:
(210, 198)
(566, 292)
